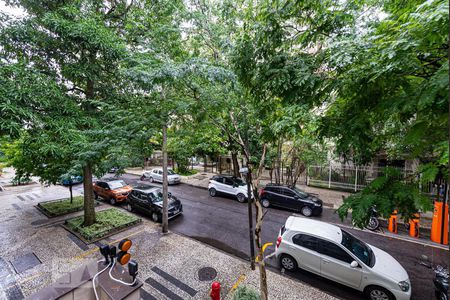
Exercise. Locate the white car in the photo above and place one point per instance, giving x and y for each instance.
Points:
(228, 185)
(333, 253)
(156, 175)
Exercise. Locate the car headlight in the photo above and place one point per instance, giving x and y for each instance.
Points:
(404, 285)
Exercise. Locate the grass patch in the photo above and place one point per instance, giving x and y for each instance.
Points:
(62, 207)
(186, 172)
(107, 221)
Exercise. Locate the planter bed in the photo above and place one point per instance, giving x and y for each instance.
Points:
(108, 222)
(56, 208)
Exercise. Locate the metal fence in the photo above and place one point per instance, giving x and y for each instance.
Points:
(349, 178)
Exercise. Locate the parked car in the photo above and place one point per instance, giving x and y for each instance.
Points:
(149, 200)
(228, 184)
(113, 170)
(72, 180)
(156, 175)
(333, 253)
(290, 198)
(114, 191)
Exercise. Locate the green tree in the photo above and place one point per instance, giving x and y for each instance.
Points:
(391, 85)
(74, 49)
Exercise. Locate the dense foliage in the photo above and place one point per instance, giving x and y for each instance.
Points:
(88, 84)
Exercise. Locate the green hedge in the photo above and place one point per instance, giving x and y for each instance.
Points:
(63, 206)
(107, 221)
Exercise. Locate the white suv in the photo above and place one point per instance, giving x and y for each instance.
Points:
(228, 185)
(333, 253)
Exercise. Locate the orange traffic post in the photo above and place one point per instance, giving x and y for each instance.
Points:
(393, 222)
(439, 224)
(414, 226)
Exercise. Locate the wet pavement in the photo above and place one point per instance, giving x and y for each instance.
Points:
(223, 223)
(219, 222)
(36, 251)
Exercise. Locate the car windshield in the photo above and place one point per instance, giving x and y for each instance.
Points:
(117, 184)
(358, 248)
(239, 182)
(301, 193)
(171, 172)
(156, 195)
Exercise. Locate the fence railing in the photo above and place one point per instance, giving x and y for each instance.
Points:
(350, 178)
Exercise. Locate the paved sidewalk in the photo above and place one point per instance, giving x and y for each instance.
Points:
(169, 265)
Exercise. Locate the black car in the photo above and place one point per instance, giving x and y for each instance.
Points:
(149, 200)
(290, 198)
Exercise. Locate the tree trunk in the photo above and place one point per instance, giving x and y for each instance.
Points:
(258, 227)
(89, 205)
(278, 166)
(71, 194)
(234, 159)
(165, 217)
(205, 164)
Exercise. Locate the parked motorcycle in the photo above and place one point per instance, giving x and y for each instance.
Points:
(440, 279)
(374, 223)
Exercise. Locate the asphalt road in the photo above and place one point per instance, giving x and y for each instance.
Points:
(222, 222)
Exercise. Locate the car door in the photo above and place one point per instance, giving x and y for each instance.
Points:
(146, 203)
(136, 200)
(335, 264)
(159, 175)
(307, 252)
(102, 189)
(289, 199)
(273, 195)
(229, 186)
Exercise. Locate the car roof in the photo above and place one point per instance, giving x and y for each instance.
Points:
(108, 180)
(313, 227)
(278, 185)
(145, 188)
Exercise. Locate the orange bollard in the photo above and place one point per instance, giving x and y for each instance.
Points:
(215, 291)
(414, 226)
(393, 222)
(439, 224)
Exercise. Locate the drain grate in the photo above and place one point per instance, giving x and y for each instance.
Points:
(25, 262)
(207, 274)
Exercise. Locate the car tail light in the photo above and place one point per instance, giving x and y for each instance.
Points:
(261, 192)
(279, 239)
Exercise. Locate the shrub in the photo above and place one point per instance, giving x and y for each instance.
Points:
(245, 293)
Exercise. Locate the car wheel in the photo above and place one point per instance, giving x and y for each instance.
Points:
(150, 179)
(155, 217)
(112, 201)
(306, 211)
(288, 262)
(441, 295)
(240, 197)
(95, 196)
(212, 192)
(378, 293)
(265, 203)
(130, 207)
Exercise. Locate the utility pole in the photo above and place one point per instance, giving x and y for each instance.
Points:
(165, 217)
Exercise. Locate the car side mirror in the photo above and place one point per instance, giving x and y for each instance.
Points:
(354, 264)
